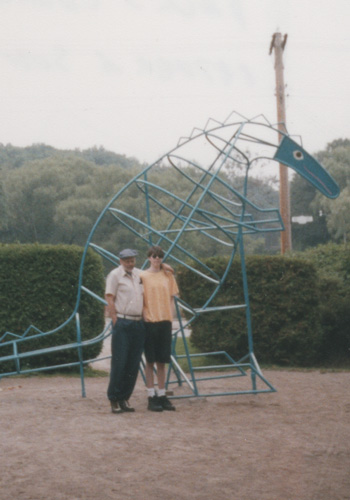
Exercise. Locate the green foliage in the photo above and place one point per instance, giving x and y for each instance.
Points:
(338, 220)
(302, 194)
(335, 320)
(299, 308)
(52, 196)
(39, 287)
(195, 361)
(335, 214)
(15, 157)
(332, 262)
(310, 234)
(284, 311)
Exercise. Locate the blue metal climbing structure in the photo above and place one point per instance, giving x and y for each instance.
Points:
(203, 206)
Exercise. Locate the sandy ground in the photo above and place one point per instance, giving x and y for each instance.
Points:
(293, 444)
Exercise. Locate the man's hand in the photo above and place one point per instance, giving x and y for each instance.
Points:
(111, 307)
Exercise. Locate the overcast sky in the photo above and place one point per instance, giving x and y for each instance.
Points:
(135, 75)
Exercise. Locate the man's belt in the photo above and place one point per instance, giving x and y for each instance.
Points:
(129, 316)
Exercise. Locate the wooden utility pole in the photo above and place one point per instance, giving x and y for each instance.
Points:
(278, 44)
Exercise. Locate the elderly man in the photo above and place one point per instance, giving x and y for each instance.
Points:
(124, 296)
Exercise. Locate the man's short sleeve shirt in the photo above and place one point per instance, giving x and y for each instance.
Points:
(127, 290)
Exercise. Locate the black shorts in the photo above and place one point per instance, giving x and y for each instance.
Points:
(158, 342)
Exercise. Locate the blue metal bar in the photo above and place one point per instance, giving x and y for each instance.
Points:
(202, 230)
(80, 355)
(94, 295)
(234, 191)
(148, 211)
(193, 378)
(219, 308)
(233, 222)
(105, 254)
(143, 224)
(15, 352)
(230, 393)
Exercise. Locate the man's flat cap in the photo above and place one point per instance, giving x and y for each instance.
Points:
(126, 253)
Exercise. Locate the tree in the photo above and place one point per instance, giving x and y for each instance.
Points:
(53, 196)
(31, 194)
(330, 217)
(338, 215)
(14, 157)
(336, 160)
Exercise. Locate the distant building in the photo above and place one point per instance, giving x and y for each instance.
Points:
(302, 219)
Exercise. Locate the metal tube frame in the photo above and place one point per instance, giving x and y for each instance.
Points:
(233, 224)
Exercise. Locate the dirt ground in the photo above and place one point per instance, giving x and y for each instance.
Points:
(292, 444)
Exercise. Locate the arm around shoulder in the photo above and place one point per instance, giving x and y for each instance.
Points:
(167, 268)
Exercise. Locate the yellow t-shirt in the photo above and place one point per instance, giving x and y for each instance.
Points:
(158, 292)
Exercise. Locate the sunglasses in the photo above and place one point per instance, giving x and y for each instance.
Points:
(154, 256)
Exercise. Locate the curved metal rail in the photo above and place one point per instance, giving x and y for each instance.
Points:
(208, 207)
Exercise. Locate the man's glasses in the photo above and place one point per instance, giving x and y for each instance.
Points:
(157, 256)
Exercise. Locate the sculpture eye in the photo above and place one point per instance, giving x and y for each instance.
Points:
(298, 155)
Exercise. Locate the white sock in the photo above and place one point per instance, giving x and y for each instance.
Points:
(151, 392)
(161, 392)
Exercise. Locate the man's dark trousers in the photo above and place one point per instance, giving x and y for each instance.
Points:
(128, 339)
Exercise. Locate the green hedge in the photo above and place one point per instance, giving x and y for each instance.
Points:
(332, 262)
(39, 287)
(284, 300)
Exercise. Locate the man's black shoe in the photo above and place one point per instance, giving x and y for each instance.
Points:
(153, 404)
(166, 404)
(125, 407)
(115, 407)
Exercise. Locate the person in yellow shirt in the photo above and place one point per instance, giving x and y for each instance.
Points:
(160, 288)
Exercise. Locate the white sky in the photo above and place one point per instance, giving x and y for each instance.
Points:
(135, 75)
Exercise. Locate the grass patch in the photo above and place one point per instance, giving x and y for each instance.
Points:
(203, 361)
(197, 361)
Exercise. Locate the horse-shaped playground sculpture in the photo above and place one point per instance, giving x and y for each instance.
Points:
(203, 203)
